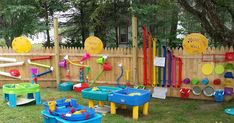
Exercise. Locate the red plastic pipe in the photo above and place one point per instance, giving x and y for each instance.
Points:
(150, 65)
(41, 58)
(180, 72)
(145, 55)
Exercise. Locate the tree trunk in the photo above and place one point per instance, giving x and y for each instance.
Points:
(47, 44)
(174, 23)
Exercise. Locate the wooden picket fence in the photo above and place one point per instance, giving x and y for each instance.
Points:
(191, 66)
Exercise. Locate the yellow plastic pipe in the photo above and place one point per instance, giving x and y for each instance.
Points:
(79, 65)
(38, 64)
(127, 74)
(154, 67)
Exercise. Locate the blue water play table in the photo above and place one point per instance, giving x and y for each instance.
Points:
(130, 97)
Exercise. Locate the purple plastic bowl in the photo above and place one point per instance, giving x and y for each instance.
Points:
(186, 81)
(228, 91)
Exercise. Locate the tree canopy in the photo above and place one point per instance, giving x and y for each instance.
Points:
(168, 20)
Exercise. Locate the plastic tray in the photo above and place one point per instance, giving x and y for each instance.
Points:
(101, 94)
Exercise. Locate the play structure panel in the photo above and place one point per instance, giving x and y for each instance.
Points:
(131, 97)
(11, 91)
(100, 93)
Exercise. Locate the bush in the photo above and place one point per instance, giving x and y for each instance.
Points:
(2, 43)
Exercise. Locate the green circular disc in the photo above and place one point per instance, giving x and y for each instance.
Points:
(219, 69)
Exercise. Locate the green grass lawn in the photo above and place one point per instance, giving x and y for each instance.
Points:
(171, 110)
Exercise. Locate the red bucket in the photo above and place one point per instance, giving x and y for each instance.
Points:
(79, 87)
(184, 93)
(229, 56)
(107, 67)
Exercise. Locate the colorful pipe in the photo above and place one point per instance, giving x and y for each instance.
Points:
(81, 74)
(180, 72)
(44, 73)
(165, 67)
(159, 68)
(169, 67)
(145, 54)
(7, 59)
(154, 67)
(9, 75)
(95, 79)
(174, 70)
(40, 58)
(150, 60)
(127, 78)
(38, 64)
(79, 65)
(121, 74)
(87, 70)
(11, 64)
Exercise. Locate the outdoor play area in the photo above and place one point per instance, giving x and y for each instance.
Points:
(147, 79)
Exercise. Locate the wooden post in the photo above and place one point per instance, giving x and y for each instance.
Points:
(56, 49)
(134, 50)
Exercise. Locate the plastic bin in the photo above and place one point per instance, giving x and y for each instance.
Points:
(66, 86)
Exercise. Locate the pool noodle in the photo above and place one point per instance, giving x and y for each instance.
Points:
(164, 68)
(169, 67)
(174, 70)
(154, 67)
(11, 64)
(145, 55)
(180, 72)
(159, 68)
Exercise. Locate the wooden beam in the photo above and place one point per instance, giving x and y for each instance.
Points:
(134, 50)
(56, 50)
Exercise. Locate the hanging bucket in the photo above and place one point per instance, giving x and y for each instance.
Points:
(14, 72)
(196, 90)
(228, 91)
(205, 81)
(228, 75)
(219, 96)
(217, 82)
(229, 56)
(219, 69)
(184, 93)
(63, 63)
(34, 71)
(186, 81)
(100, 60)
(228, 83)
(229, 66)
(207, 69)
(107, 67)
(195, 81)
(208, 91)
(85, 57)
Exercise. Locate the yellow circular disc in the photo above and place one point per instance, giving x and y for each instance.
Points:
(207, 69)
(93, 45)
(195, 43)
(21, 45)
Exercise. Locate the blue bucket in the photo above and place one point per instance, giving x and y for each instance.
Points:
(219, 96)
